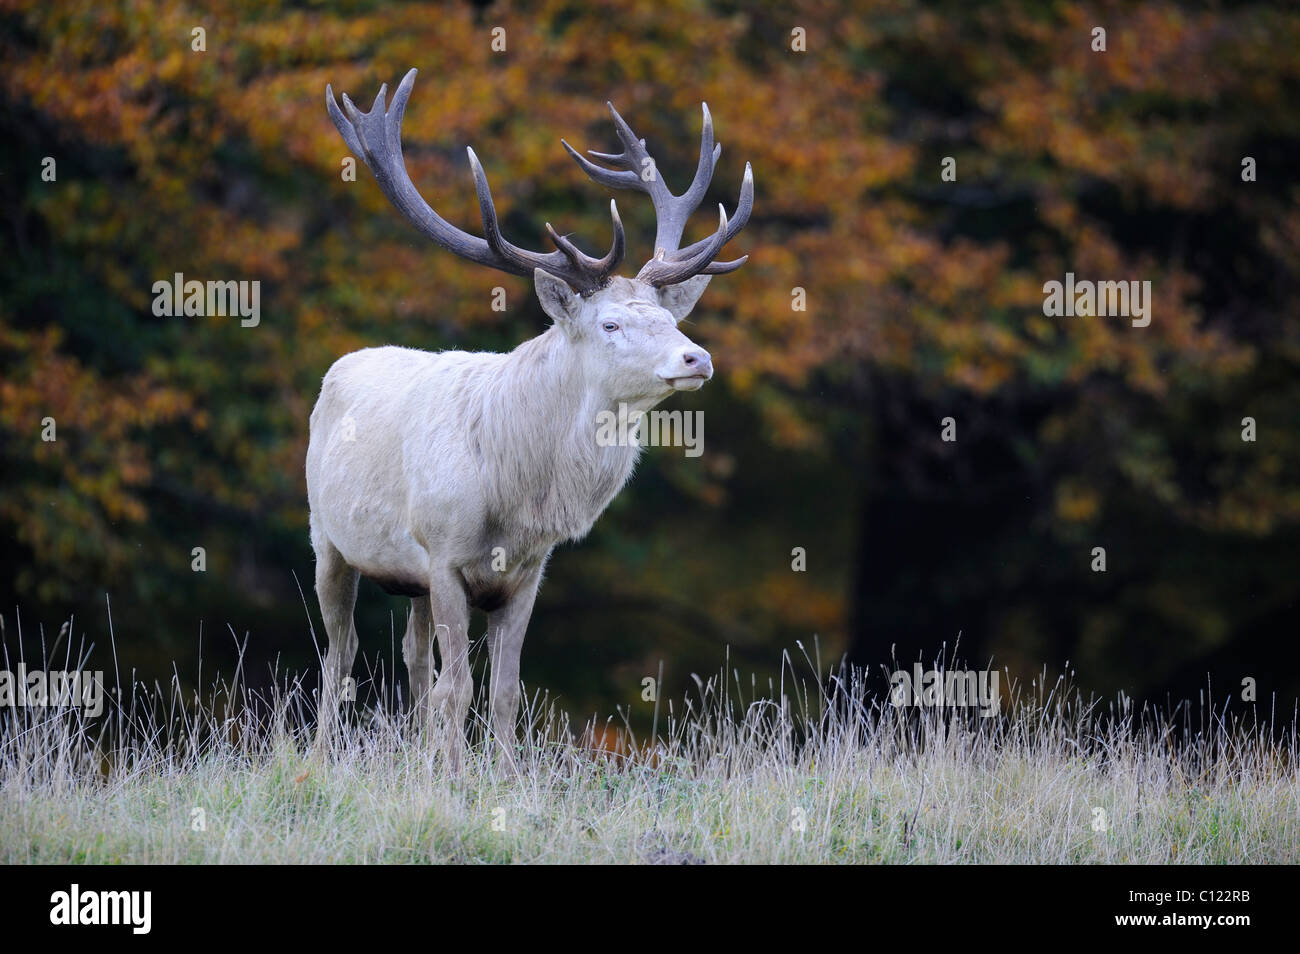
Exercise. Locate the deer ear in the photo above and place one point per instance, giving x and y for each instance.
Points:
(557, 298)
(680, 299)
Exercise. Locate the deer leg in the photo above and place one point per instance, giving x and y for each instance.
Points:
(506, 629)
(417, 651)
(454, 687)
(336, 589)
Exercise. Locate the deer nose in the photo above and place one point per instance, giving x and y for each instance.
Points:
(698, 361)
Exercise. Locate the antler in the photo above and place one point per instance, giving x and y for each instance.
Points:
(637, 170)
(376, 139)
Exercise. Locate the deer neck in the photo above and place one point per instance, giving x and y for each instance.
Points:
(545, 418)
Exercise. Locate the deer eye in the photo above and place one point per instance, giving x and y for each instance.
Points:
(610, 326)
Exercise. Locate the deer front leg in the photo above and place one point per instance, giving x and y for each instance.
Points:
(506, 629)
(451, 693)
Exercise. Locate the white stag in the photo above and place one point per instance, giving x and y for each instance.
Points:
(449, 477)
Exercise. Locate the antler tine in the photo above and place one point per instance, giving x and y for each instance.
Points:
(606, 177)
(671, 264)
(737, 222)
(375, 137)
(662, 270)
(721, 268)
(509, 253)
(604, 265)
(709, 154)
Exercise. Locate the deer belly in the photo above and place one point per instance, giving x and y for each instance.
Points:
(376, 542)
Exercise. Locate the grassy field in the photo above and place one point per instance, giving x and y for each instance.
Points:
(832, 774)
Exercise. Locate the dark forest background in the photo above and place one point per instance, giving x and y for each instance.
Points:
(822, 426)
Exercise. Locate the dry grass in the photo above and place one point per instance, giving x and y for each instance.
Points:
(729, 779)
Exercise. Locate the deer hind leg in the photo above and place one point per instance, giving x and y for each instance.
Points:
(336, 589)
(451, 693)
(417, 651)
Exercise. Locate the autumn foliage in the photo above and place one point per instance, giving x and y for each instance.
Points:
(923, 301)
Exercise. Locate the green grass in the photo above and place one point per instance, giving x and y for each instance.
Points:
(729, 780)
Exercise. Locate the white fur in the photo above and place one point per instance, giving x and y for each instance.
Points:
(421, 465)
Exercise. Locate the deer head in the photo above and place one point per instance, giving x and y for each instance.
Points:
(625, 329)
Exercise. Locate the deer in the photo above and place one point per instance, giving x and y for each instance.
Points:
(450, 476)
